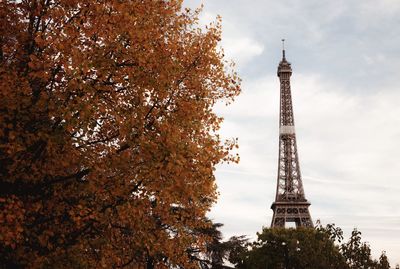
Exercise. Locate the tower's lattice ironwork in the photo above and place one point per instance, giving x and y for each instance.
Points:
(290, 203)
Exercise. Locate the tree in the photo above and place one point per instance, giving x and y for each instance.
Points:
(293, 248)
(108, 138)
(383, 261)
(321, 247)
(357, 253)
(218, 252)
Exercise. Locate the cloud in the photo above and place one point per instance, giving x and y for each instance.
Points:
(343, 142)
(237, 44)
(346, 60)
(241, 49)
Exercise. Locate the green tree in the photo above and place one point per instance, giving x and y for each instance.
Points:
(217, 251)
(357, 253)
(322, 247)
(293, 248)
(383, 261)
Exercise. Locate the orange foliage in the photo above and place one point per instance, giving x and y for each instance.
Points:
(108, 141)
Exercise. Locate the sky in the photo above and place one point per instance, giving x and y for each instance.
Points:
(345, 56)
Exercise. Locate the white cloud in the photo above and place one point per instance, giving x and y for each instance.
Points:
(345, 56)
(241, 49)
(346, 143)
(238, 45)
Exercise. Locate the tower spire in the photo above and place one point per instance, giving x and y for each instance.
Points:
(290, 203)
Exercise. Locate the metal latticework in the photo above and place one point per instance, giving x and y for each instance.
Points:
(290, 203)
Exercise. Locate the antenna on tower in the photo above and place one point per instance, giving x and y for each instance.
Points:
(283, 49)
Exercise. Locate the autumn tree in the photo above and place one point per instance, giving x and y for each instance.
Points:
(108, 140)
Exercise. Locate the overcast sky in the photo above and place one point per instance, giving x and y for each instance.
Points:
(345, 56)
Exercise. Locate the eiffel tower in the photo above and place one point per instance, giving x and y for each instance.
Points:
(290, 203)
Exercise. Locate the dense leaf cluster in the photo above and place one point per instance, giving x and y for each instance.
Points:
(108, 140)
(304, 248)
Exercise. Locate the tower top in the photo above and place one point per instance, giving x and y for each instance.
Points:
(284, 65)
